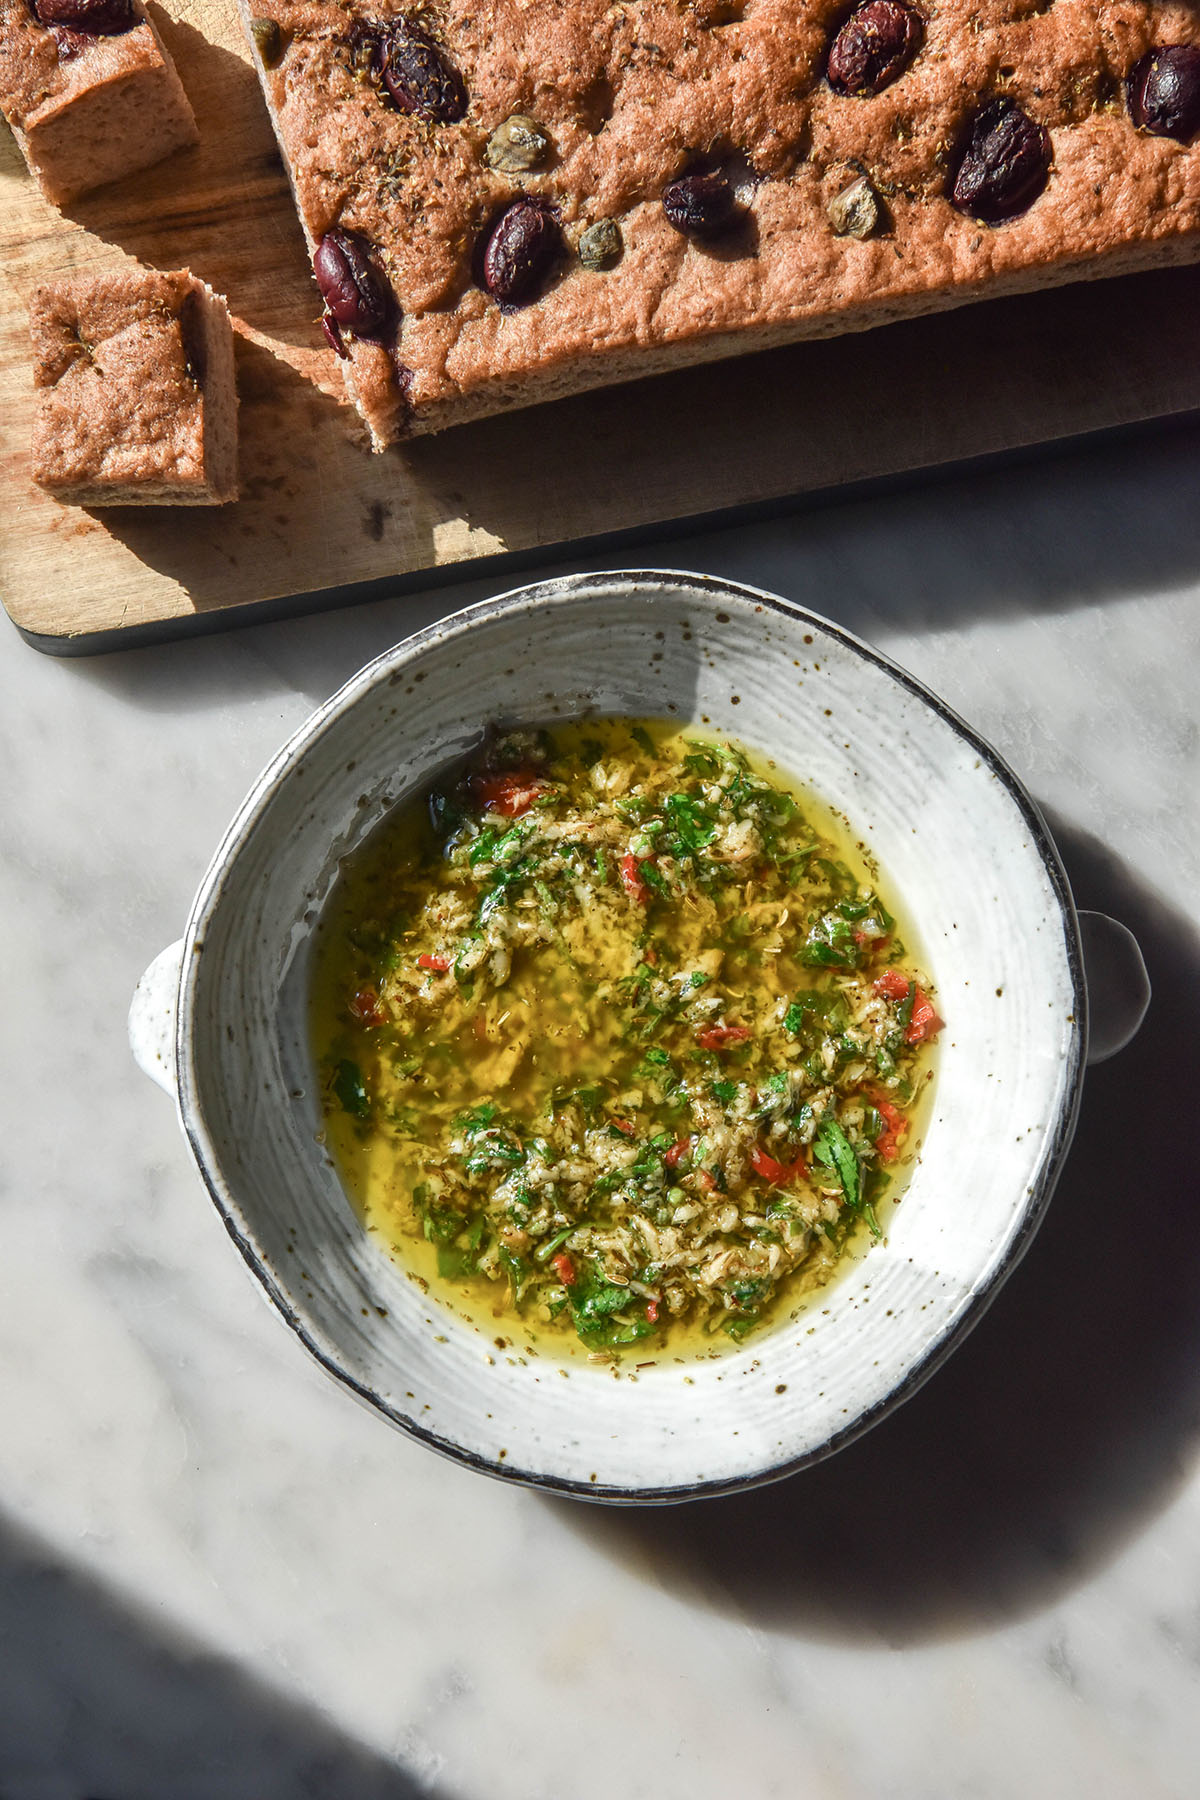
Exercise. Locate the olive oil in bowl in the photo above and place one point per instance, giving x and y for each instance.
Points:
(621, 1048)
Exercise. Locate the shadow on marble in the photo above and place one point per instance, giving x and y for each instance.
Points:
(1067, 1420)
(100, 1699)
(1073, 526)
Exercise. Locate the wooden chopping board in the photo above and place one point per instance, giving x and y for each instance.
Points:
(320, 516)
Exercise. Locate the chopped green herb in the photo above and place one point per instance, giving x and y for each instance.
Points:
(798, 1012)
(350, 1089)
(551, 1127)
(545, 1251)
(833, 1148)
(491, 1149)
(692, 822)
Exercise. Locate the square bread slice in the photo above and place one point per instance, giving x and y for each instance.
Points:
(88, 105)
(512, 200)
(135, 403)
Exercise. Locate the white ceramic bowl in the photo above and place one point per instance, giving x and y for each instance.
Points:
(221, 1018)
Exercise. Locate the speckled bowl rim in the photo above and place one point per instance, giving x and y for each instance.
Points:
(531, 598)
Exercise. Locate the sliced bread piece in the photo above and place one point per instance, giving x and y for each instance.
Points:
(136, 402)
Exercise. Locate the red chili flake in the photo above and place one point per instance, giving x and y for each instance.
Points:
(652, 1313)
(678, 1150)
(626, 1127)
(892, 985)
(508, 795)
(564, 1268)
(365, 1008)
(707, 1180)
(894, 1126)
(777, 1173)
(631, 876)
(715, 1037)
(924, 1023)
(438, 963)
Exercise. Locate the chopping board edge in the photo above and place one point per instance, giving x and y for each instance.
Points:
(538, 558)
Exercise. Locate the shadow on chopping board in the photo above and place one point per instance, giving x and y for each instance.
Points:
(101, 1699)
(1057, 532)
(221, 205)
(282, 467)
(1068, 1417)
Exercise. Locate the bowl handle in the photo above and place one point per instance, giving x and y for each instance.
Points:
(1118, 998)
(152, 1017)
(1117, 983)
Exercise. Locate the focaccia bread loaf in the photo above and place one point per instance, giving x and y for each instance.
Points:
(512, 200)
(89, 91)
(135, 397)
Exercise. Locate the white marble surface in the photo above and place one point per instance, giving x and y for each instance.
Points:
(221, 1578)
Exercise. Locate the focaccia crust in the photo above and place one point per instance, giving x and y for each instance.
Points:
(631, 95)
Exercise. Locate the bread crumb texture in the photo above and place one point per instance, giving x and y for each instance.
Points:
(630, 97)
(85, 108)
(119, 369)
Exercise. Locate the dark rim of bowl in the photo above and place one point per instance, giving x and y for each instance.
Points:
(1058, 1138)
